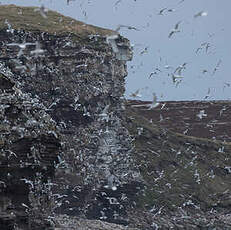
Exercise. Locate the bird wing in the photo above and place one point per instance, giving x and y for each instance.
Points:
(13, 44)
(162, 10)
(198, 14)
(170, 34)
(154, 98)
(177, 25)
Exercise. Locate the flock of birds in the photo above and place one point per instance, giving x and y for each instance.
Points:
(22, 46)
(175, 73)
(32, 48)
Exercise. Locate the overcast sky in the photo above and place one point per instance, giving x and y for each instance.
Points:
(206, 74)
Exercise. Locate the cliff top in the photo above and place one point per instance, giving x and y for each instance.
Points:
(31, 19)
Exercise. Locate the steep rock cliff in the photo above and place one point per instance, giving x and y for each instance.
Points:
(61, 88)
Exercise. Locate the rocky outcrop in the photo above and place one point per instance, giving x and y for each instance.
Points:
(74, 156)
(29, 146)
(62, 110)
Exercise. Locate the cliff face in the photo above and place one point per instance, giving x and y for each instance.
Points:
(61, 111)
(70, 148)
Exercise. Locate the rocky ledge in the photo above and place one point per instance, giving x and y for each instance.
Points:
(75, 155)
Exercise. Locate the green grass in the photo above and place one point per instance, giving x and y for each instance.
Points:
(27, 19)
(156, 154)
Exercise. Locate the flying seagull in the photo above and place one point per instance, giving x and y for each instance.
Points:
(42, 10)
(124, 26)
(226, 84)
(204, 71)
(165, 9)
(175, 30)
(216, 67)
(156, 72)
(144, 51)
(206, 45)
(22, 46)
(136, 94)
(201, 14)
(180, 2)
(201, 114)
(176, 79)
(162, 11)
(152, 105)
(37, 50)
(117, 2)
(208, 94)
(171, 10)
(179, 69)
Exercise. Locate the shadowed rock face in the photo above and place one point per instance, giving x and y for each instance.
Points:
(27, 146)
(68, 145)
(70, 85)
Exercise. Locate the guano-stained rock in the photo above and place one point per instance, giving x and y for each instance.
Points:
(69, 71)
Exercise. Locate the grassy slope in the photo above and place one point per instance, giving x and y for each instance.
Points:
(178, 168)
(28, 19)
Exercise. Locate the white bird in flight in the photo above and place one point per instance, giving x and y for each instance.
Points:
(175, 30)
(117, 2)
(42, 10)
(205, 45)
(22, 46)
(162, 11)
(180, 2)
(179, 69)
(136, 94)
(201, 114)
(216, 67)
(165, 9)
(37, 50)
(176, 79)
(201, 14)
(144, 51)
(127, 27)
(152, 105)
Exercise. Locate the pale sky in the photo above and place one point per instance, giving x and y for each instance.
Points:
(164, 54)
